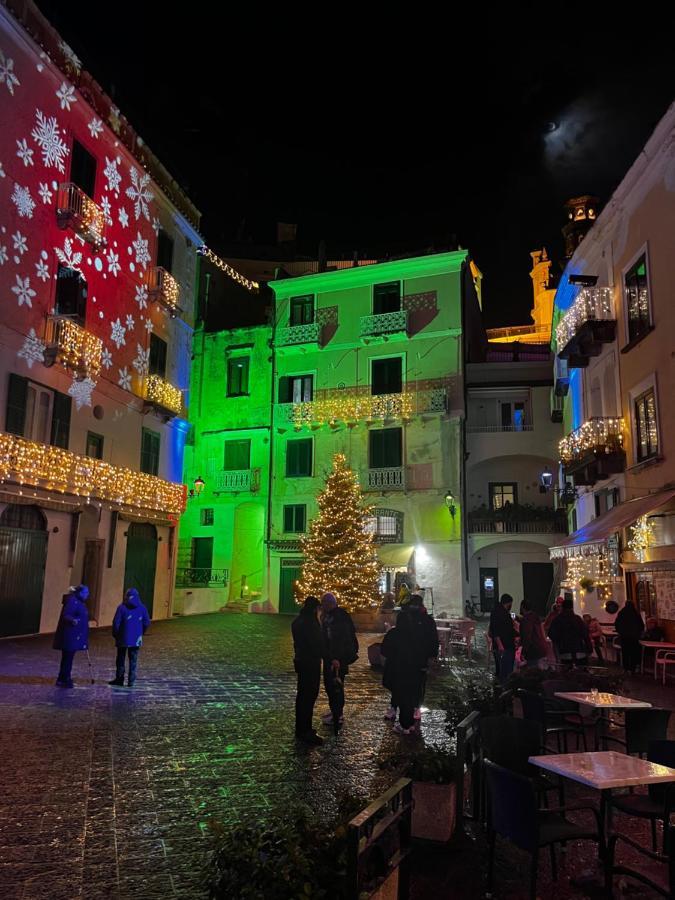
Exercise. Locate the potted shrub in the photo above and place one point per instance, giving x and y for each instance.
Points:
(434, 774)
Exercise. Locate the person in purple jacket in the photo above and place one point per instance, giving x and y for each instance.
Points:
(72, 631)
(129, 625)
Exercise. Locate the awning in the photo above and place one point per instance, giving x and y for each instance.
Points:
(597, 531)
(394, 557)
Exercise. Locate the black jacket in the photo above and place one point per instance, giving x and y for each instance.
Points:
(406, 650)
(307, 639)
(501, 626)
(569, 633)
(629, 623)
(339, 637)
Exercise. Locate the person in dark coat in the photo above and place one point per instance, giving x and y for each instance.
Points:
(405, 649)
(503, 634)
(629, 626)
(569, 635)
(532, 638)
(308, 653)
(340, 646)
(72, 632)
(130, 623)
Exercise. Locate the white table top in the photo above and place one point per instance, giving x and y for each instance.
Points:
(604, 769)
(602, 701)
(664, 645)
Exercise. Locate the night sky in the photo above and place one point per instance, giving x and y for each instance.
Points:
(385, 135)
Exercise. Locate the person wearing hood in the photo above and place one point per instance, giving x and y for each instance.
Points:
(406, 649)
(308, 653)
(629, 626)
(340, 646)
(130, 623)
(72, 631)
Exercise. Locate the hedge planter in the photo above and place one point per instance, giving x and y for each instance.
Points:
(434, 811)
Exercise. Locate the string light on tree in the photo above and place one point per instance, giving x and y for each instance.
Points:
(339, 552)
(642, 538)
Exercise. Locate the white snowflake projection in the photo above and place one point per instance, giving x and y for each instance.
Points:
(117, 332)
(141, 248)
(95, 127)
(113, 260)
(123, 216)
(141, 296)
(7, 75)
(139, 193)
(106, 358)
(42, 270)
(24, 152)
(33, 349)
(80, 391)
(23, 201)
(130, 324)
(66, 95)
(20, 243)
(45, 193)
(24, 292)
(149, 327)
(156, 225)
(68, 256)
(47, 135)
(107, 210)
(124, 379)
(142, 361)
(70, 56)
(113, 177)
(3, 254)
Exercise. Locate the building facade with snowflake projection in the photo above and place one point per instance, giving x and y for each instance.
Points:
(97, 275)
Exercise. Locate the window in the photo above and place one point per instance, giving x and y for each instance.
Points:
(157, 360)
(149, 451)
(637, 299)
(386, 376)
(202, 553)
(513, 416)
(71, 294)
(299, 458)
(237, 456)
(164, 250)
(37, 413)
(501, 494)
(83, 169)
(605, 500)
(295, 518)
(237, 376)
(386, 448)
(206, 516)
(386, 298)
(296, 389)
(646, 428)
(386, 526)
(94, 446)
(302, 310)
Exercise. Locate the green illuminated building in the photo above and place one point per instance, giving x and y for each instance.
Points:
(366, 360)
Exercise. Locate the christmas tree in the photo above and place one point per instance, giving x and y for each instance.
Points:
(339, 553)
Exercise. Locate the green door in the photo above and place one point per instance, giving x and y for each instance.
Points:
(141, 561)
(291, 570)
(23, 556)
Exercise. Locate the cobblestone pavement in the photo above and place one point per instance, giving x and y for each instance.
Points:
(107, 791)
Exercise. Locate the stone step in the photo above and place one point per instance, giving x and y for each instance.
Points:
(239, 606)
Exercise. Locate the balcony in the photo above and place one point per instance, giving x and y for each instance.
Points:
(557, 405)
(202, 577)
(385, 325)
(499, 429)
(77, 211)
(518, 520)
(594, 451)
(162, 396)
(391, 479)
(73, 346)
(53, 469)
(296, 335)
(163, 288)
(587, 325)
(233, 480)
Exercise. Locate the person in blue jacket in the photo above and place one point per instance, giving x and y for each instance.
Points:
(72, 631)
(129, 625)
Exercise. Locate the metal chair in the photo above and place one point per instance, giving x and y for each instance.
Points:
(657, 804)
(666, 888)
(552, 720)
(641, 727)
(513, 813)
(664, 658)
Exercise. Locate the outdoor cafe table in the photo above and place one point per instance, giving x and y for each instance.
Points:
(602, 702)
(657, 645)
(604, 770)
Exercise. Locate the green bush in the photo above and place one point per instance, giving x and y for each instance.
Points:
(470, 690)
(431, 764)
(530, 679)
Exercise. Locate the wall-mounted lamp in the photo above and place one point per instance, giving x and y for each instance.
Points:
(545, 481)
(450, 503)
(566, 495)
(200, 484)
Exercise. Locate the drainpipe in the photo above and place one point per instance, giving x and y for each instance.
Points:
(270, 474)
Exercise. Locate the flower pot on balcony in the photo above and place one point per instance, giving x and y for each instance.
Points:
(434, 811)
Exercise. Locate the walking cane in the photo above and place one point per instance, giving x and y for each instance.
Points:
(91, 671)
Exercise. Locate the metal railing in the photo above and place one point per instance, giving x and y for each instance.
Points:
(597, 434)
(74, 209)
(160, 393)
(163, 287)
(299, 334)
(591, 304)
(489, 429)
(390, 479)
(201, 577)
(233, 480)
(556, 524)
(384, 323)
(73, 346)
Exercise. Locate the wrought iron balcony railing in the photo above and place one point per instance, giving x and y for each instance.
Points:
(233, 480)
(201, 577)
(74, 347)
(299, 334)
(77, 211)
(587, 324)
(497, 429)
(163, 288)
(594, 450)
(518, 521)
(389, 479)
(162, 395)
(384, 323)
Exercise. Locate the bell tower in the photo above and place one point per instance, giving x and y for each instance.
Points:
(581, 214)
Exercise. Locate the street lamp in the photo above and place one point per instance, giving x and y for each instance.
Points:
(450, 503)
(545, 481)
(566, 495)
(199, 485)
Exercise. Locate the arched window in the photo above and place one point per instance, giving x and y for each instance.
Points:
(17, 516)
(386, 525)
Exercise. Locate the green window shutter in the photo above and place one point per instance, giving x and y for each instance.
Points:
(288, 518)
(157, 360)
(284, 390)
(15, 415)
(291, 457)
(149, 452)
(237, 456)
(300, 518)
(299, 458)
(306, 457)
(61, 420)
